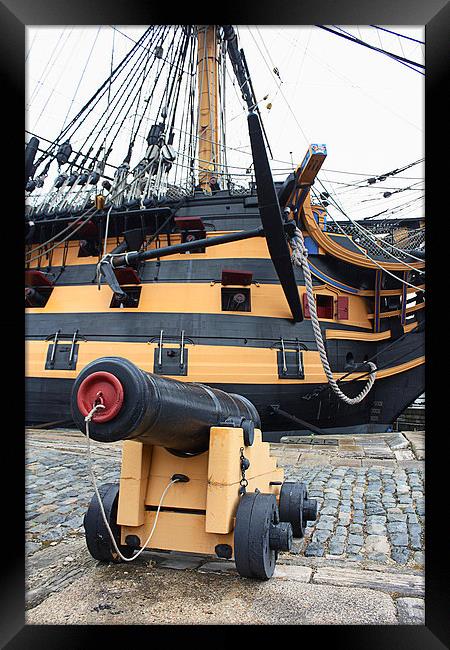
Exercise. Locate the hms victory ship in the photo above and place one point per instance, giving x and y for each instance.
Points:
(241, 282)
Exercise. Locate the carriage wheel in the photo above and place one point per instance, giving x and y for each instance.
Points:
(295, 506)
(259, 535)
(98, 540)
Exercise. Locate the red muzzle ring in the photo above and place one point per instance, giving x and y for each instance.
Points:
(100, 388)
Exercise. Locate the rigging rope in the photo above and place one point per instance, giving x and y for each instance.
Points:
(401, 207)
(353, 39)
(392, 173)
(364, 252)
(389, 364)
(90, 104)
(397, 34)
(88, 214)
(281, 92)
(300, 259)
(194, 137)
(128, 83)
(373, 237)
(49, 65)
(396, 57)
(74, 48)
(81, 78)
(79, 222)
(108, 98)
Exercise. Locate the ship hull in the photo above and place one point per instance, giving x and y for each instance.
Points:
(239, 352)
(48, 400)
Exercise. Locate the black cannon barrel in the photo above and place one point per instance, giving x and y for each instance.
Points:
(152, 409)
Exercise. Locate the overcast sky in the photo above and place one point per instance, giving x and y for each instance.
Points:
(366, 107)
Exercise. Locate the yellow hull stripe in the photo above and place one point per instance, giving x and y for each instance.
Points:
(173, 297)
(349, 335)
(255, 248)
(207, 364)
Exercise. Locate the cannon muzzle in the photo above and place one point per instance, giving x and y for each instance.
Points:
(153, 409)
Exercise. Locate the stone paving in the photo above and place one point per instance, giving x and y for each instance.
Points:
(58, 489)
(370, 493)
(368, 533)
(372, 511)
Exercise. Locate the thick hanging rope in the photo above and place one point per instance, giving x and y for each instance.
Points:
(300, 259)
(87, 419)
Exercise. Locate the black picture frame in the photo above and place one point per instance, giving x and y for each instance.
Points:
(15, 15)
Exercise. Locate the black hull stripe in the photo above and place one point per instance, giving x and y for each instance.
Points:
(191, 270)
(48, 400)
(390, 353)
(208, 329)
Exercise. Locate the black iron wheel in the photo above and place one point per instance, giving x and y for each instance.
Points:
(309, 509)
(292, 494)
(256, 518)
(98, 539)
(295, 506)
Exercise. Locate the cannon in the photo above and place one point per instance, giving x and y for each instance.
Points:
(227, 496)
(153, 409)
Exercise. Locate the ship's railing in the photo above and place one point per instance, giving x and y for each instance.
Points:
(65, 202)
(381, 237)
(239, 184)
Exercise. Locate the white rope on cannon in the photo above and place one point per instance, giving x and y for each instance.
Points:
(87, 419)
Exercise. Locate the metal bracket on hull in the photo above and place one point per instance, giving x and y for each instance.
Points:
(170, 361)
(290, 362)
(62, 356)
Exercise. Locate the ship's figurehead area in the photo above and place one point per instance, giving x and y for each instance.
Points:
(200, 446)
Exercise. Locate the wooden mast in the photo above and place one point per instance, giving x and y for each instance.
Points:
(208, 122)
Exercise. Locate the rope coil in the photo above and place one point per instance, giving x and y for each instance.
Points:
(300, 259)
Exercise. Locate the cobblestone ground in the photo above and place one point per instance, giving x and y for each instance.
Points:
(58, 488)
(369, 488)
(374, 511)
